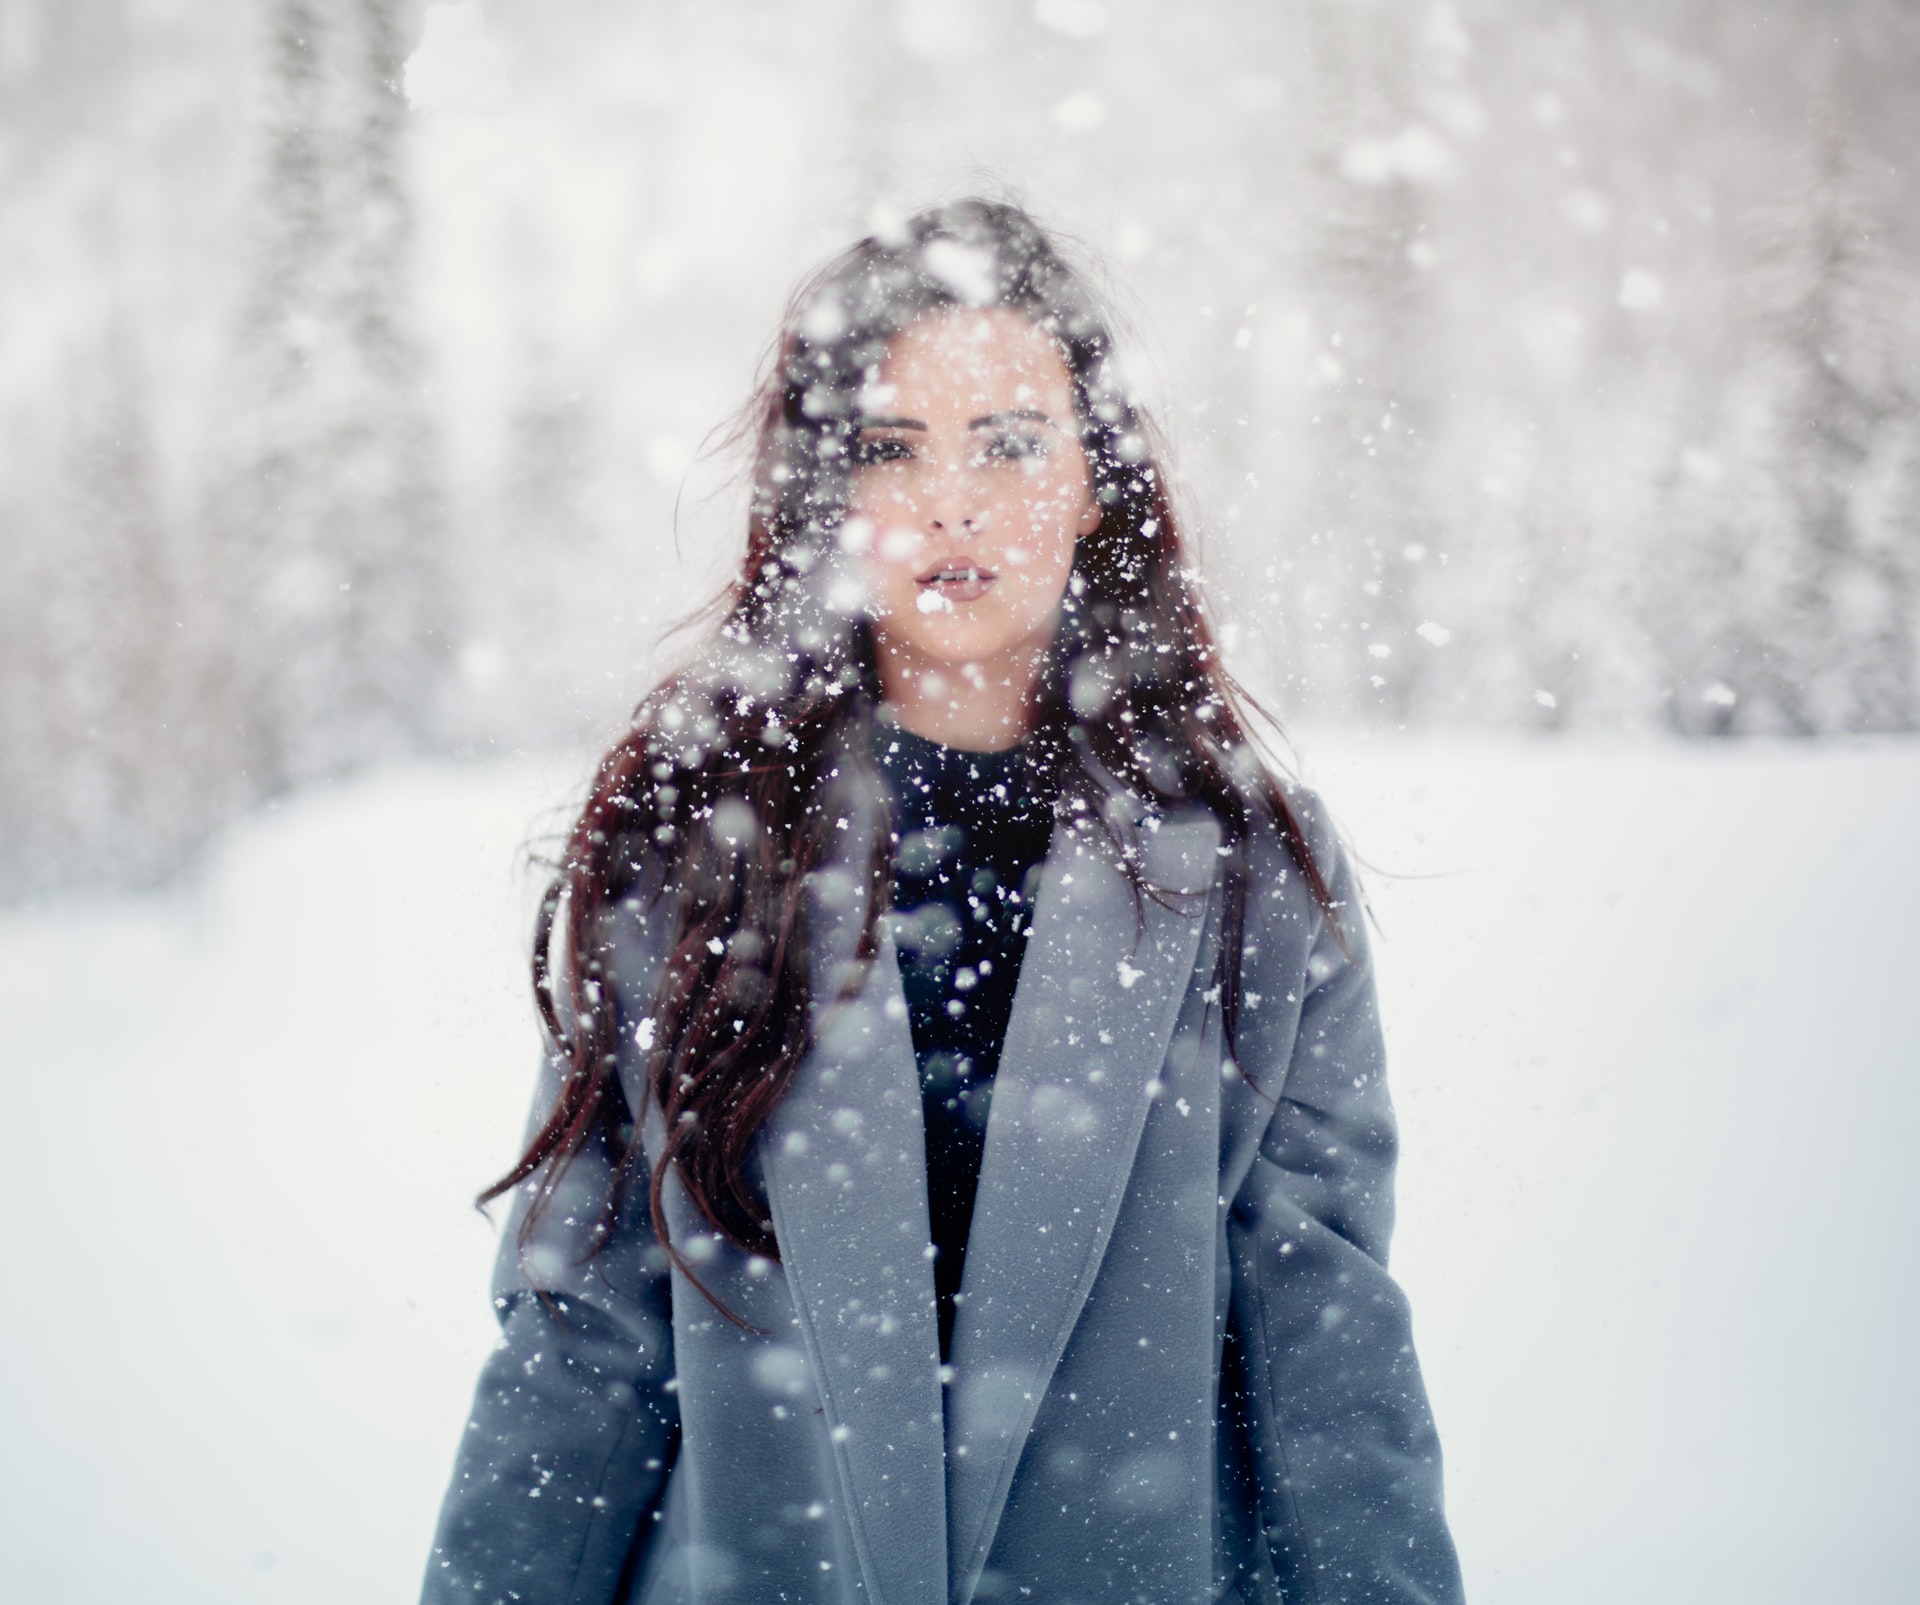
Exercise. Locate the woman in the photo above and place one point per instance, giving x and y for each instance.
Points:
(841, 1267)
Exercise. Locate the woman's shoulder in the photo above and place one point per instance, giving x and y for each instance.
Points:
(1297, 864)
(642, 913)
(1313, 820)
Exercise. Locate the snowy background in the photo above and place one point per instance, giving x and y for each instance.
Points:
(1546, 383)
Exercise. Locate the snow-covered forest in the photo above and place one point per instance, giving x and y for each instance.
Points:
(1530, 365)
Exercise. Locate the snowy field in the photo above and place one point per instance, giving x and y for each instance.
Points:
(1655, 1020)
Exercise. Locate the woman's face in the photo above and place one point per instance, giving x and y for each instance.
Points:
(969, 489)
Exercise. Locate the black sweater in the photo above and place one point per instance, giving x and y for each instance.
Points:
(970, 830)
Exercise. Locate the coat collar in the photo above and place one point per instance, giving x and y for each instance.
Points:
(1100, 988)
(847, 1182)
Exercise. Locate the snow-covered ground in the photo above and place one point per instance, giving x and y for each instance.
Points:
(1655, 1035)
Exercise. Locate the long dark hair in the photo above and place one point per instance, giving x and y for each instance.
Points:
(739, 773)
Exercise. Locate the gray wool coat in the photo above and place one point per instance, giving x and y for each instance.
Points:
(1180, 1371)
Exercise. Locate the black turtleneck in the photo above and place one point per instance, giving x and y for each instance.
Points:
(970, 830)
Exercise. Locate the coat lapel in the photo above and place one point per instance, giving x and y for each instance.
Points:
(1100, 989)
(845, 1157)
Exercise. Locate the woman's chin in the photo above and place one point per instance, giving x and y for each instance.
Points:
(951, 643)
(968, 634)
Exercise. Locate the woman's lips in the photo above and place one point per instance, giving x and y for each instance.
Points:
(955, 581)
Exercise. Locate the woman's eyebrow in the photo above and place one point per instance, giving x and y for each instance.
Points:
(1028, 414)
(891, 423)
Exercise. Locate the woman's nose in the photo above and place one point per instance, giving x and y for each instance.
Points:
(953, 505)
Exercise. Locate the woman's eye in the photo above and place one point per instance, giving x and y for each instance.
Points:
(1016, 448)
(880, 449)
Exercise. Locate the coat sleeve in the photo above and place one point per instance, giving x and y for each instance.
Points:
(564, 1460)
(1347, 1456)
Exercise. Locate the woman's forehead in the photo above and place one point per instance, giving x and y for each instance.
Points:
(976, 350)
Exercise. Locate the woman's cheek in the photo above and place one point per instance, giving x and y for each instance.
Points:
(888, 566)
(897, 545)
